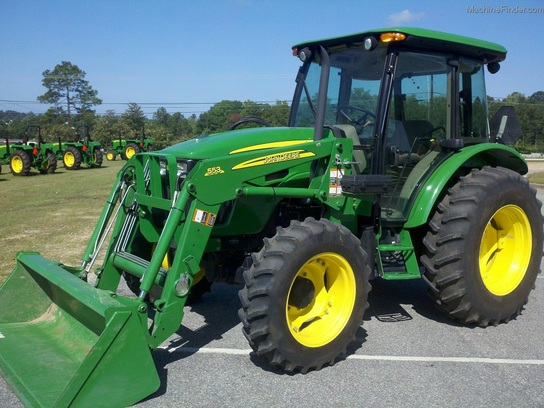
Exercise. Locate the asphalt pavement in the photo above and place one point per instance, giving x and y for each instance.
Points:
(407, 355)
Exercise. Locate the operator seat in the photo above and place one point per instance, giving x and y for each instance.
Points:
(359, 157)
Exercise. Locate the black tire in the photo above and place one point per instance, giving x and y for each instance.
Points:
(111, 155)
(71, 158)
(49, 165)
(20, 163)
(130, 150)
(484, 247)
(283, 319)
(98, 157)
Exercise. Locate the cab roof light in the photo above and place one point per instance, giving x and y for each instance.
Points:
(392, 37)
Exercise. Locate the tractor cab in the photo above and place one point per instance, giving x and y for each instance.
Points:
(408, 99)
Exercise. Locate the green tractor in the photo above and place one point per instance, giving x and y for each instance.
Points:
(31, 152)
(126, 148)
(387, 170)
(80, 150)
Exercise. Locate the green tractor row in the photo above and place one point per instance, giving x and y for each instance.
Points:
(81, 150)
(126, 148)
(33, 152)
(24, 155)
(387, 170)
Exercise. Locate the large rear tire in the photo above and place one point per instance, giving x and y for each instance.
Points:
(305, 295)
(484, 247)
(71, 158)
(20, 163)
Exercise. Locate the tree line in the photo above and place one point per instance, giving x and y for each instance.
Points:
(73, 99)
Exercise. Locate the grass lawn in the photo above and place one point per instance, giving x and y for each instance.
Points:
(53, 214)
(536, 178)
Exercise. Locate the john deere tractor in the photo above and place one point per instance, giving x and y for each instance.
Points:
(387, 170)
(80, 150)
(31, 152)
(126, 148)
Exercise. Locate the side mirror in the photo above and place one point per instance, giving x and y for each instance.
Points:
(493, 67)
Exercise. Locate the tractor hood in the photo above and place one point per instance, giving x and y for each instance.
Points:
(238, 141)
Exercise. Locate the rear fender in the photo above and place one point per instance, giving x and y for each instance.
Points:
(477, 156)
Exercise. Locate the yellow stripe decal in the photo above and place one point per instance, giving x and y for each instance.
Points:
(270, 145)
(274, 158)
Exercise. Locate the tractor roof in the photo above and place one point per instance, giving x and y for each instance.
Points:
(422, 39)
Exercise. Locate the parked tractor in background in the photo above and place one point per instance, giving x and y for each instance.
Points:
(29, 153)
(81, 150)
(126, 148)
(387, 170)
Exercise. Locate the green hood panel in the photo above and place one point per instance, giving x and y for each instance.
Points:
(238, 141)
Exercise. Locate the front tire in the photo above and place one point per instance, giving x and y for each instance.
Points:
(98, 157)
(484, 247)
(50, 164)
(111, 155)
(305, 295)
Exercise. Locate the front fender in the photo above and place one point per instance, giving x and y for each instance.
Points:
(476, 156)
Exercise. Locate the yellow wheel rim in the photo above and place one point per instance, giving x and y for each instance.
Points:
(109, 156)
(17, 164)
(69, 159)
(505, 250)
(321, 299)
(129, 152)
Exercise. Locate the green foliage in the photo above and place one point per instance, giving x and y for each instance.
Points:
(134, 117)
(67, 87)
(110, 127)
(219, 117)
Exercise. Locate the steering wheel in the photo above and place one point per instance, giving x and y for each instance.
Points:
(362, 121)
(247, 119)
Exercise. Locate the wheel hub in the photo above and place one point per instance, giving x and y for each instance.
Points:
(321, 299)
(505, 250)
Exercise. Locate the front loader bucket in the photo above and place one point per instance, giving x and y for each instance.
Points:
(65, 343)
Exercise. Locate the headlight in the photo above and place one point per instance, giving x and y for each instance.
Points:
(163, 167)
(182, 168)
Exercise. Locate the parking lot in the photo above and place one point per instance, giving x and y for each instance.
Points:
(407, 354)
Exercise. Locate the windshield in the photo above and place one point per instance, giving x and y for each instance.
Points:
(353, 89)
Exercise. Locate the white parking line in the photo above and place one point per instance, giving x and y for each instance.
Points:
(419, 359)
(481, 360)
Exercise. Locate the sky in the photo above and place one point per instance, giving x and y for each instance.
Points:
(186, 55)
